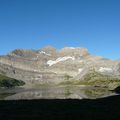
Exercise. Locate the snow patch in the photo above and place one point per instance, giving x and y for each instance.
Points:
(42, 52)
(105, 69)
(60, 59)
(70, 47)
(80, 70)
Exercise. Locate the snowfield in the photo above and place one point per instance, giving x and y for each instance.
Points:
(104, 69)
(60, 59)
(80, 70)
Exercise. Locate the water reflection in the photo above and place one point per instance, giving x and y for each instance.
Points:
(63, 92)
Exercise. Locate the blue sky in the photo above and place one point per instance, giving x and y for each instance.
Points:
(32, 24)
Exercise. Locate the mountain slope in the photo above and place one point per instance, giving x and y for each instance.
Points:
(49, 65)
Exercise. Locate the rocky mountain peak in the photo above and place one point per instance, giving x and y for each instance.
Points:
(22, 53)
(74, 51)
(51, 51)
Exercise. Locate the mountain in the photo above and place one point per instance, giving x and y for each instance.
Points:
(67, 65)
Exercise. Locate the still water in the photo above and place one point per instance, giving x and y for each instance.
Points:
(60, 92)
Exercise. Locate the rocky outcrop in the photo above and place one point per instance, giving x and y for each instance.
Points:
(76, 52)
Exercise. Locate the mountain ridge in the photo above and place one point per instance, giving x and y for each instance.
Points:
(49, 65)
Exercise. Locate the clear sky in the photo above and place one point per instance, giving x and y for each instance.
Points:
(32, 24)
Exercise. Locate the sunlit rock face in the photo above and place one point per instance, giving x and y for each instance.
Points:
(117, 68)
(51, 66)
(49, 51)
(76, 52)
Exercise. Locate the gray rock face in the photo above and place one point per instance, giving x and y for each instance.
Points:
(76, 52)
(48, 65)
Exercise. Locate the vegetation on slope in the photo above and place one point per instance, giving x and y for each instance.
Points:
(9, 82)
(100, 80)
(95, 79)
(98, 92)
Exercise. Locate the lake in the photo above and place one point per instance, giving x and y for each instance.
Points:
(55, 92)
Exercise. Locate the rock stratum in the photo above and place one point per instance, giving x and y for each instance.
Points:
(71, 66)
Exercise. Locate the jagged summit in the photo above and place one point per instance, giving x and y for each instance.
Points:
(23, 52)
(51, 51)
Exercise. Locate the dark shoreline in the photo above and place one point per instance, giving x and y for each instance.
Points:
(56, 109)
